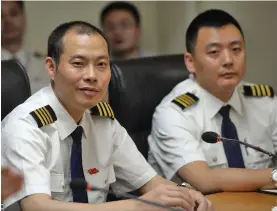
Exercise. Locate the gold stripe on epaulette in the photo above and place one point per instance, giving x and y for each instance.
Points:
(102, 109)
(185, 100)
(260, 90)
(44, 116)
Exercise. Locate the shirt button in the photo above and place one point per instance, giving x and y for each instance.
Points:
(214, 159)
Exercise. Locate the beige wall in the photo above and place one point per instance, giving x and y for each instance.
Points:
(44, 16)
(164, 25)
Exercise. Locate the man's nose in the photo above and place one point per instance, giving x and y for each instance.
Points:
(227, 58)
(90, 73)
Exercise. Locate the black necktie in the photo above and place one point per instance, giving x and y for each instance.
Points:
(77, 171)
(228, 130)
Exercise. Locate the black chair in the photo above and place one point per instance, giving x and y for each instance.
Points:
(15, 86)
(15, 89)
(137, 86)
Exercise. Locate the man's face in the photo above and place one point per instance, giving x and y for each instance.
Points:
(12, 22)
(83, 73)
(219, 58)
(121, 30)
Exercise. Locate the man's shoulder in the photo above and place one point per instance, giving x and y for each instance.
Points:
(257, 92)
(182, 100)
(182, 89)
(23, 111)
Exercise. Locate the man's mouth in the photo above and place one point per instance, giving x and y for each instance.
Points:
(89, 91)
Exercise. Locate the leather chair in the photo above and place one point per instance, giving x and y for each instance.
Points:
(15, 86)
(137, 86)
(15, 89)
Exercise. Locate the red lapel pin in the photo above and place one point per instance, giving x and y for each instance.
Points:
(93, 171)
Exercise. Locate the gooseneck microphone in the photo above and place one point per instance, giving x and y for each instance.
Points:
(212, 137)
(83, 185)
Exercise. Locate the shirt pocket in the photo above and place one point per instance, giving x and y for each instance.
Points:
(215, 155)
(102, 179)
(258, 160)
(57, 186)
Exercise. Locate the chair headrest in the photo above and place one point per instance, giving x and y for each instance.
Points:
(15, 86)
(137, 86)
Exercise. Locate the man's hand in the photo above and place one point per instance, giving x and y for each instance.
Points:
(172, 196)
(11, 182)
(202, 203)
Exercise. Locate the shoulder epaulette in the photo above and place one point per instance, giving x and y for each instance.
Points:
(185, 100)
(44, 116)
(260, 90)
(102, 109)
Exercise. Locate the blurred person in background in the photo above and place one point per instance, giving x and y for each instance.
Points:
(121, 23)
(13, 27)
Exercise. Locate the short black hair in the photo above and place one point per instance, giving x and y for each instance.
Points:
(20, 4)
(210, 18)
(120, 5)
(55, 40)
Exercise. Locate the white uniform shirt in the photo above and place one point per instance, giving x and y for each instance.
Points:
(34, 67)
(175, 139)
(43, 154)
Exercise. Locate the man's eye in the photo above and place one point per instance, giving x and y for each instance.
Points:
(236, 49)
(77, 64)
(102, 64)
(213, 52)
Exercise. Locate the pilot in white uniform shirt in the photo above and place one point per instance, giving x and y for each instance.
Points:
(42, 151)
(175, 139)
(34, 66)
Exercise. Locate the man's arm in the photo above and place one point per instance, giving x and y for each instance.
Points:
(207, 180)
(43, 202)
(197, 197)
(167, 195)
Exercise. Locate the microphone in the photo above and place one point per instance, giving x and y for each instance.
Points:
(212, 137)
(81, 184)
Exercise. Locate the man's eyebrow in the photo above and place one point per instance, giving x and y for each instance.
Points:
(102, 57)
(236, 42)
(213, 44)
(216, 44)
(76, 57)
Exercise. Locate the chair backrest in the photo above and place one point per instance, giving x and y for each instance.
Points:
(15, 86)
(137, 86)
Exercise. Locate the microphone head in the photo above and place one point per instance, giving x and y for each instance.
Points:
(210, 137)
(80, 184)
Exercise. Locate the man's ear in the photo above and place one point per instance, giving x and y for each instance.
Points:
(189, 61)
(51, 67)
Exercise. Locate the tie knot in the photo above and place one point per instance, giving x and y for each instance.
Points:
(225, 110)
(77, 134)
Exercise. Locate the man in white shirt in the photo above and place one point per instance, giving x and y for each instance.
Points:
(64, 132)
(215, 99)
(12, 41)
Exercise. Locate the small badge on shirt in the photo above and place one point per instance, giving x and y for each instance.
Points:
(93, 171)
(185, 100)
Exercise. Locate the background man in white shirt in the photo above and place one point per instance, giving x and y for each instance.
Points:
(13, 26)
